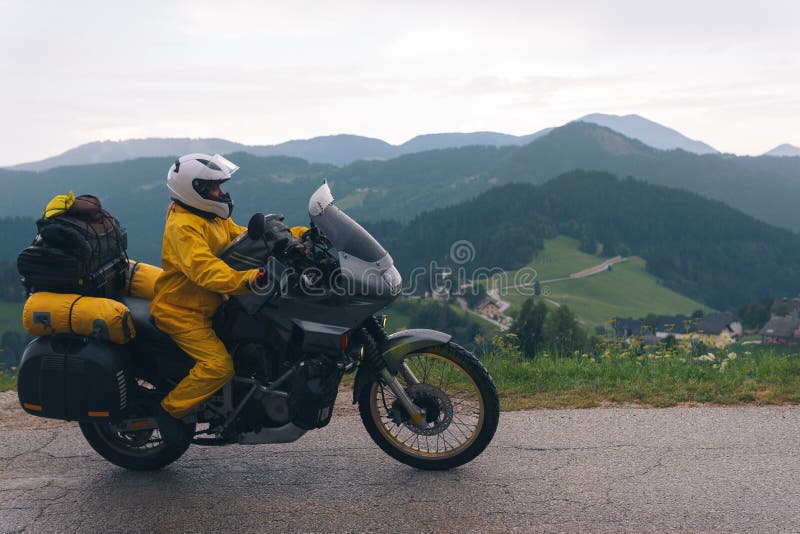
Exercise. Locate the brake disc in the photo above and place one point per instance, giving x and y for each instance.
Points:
(435, 404)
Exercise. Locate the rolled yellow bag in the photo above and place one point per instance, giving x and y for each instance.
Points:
(141, 280)
(64, 313)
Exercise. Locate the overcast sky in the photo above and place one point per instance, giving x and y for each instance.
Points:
(726, 73)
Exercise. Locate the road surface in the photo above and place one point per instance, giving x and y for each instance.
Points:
(634, 470)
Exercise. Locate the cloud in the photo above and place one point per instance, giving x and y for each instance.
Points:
(262, 72)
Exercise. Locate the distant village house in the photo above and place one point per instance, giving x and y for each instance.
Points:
(489, 309)
(781, 331)
(717, 329)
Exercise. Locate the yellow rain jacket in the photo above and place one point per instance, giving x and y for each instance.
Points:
(194, 279)
(188, 293)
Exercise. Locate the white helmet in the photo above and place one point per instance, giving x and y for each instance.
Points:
(192, 174)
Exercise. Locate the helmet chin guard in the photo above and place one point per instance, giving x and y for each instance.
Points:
(182, 177)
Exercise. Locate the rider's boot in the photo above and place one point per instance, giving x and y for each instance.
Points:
(173, 431)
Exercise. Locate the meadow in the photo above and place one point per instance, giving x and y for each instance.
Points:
(644, 376)
(626, 290)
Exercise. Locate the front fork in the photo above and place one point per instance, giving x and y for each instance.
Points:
(375, 331)
(416, 414)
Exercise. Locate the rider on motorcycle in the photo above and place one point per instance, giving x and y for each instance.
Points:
(198, 228)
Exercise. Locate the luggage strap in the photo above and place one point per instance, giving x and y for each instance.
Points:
(133, 269)
(69, 318)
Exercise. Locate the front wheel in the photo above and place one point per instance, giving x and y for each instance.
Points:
(458, 398)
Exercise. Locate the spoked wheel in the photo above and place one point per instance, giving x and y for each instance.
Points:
(459, 401)
(139, 450)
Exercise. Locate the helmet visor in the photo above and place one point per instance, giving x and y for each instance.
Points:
(218, 168)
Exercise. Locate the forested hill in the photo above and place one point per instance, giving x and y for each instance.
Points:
(765, 187)
(699, 247)
(759, 186)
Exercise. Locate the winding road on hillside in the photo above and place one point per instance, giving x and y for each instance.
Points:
(607, 470)
(503, 305)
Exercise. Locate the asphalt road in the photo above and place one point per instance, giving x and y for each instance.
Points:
(717, 469)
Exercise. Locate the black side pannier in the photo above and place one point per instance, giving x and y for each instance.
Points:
(74, 378)
(79, 251)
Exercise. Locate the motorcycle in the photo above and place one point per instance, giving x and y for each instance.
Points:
(423, 399)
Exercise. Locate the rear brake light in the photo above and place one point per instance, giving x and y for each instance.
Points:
(344, 341)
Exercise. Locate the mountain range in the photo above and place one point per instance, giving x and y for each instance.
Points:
(784, 150)
(399, 189)
(345, 149)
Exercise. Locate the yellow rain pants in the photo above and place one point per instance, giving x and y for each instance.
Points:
(188, 293)
(212, 370)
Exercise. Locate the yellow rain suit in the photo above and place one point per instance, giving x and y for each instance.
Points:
(188, 292)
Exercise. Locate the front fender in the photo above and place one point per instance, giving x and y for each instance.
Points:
(400, 344)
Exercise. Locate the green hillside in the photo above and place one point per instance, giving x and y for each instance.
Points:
(697, 247)
(560, 257)
(756, 186)
(627, 290)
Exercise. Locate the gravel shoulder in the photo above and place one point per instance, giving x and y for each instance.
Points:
(12, 417)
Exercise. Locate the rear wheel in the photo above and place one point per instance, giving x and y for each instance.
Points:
(459, 400)
(139, 450)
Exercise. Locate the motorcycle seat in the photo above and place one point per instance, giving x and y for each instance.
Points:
(146, 329)
(151, 346)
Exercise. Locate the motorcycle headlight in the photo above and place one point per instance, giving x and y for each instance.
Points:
(393, 279)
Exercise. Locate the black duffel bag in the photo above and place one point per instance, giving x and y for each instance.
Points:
(82, 250)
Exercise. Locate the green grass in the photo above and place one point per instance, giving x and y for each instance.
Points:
(560, 257)
(756, 376)
(7, 380)
(11, 317)
(622, 376)
(628, 290)
(625, 291)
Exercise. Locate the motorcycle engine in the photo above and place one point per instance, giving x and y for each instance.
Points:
(252, 360)
(277, 409)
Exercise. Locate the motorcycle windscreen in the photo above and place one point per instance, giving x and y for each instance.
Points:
(343, 232)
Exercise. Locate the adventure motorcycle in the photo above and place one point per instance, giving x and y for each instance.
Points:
(423, 399)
